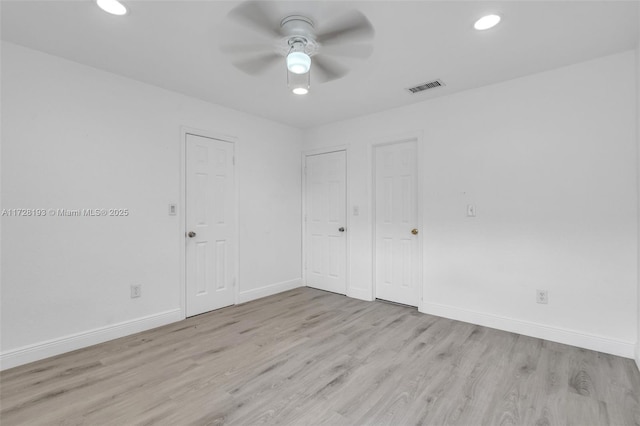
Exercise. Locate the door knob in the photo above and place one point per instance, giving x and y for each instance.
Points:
(414, 231)
(191, 234)
(341, 229)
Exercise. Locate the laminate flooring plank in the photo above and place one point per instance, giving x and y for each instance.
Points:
(585, 411)
(465, 401)
(549, 388)
(431, 359)
(449, 353)
(626, 410)
(468, 394)
(308, 357)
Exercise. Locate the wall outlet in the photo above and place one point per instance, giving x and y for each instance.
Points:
(542, 296)
(136, 291)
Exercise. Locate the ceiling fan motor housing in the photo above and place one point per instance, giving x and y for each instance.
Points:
(297, 25)
(298, 32)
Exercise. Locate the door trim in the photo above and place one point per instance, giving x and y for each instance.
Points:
(303, 163)
(182, 217)
(417, 138)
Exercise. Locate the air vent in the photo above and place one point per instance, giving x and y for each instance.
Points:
(426, 86)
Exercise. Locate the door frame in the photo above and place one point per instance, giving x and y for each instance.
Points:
(182, 207)
(417, 138)
(304, 155)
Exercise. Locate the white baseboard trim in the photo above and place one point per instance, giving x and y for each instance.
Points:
(360, 293)
(268, 290)
(554, 334)
(49, 348)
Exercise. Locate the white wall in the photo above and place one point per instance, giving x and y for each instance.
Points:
(549, 161)
(638, 176)
(76, 137)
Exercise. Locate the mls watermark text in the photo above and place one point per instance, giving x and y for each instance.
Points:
(64, 212)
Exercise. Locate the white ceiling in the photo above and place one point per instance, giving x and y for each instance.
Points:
(175, 45)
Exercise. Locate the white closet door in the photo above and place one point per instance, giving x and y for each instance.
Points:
(211, 225)
(325, 222)
(396, 223)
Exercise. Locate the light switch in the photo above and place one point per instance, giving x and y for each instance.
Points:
(173, 209)
(471, 210)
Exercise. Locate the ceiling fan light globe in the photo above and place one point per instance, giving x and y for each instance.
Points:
(298, 62)
(113, 7)
(300, 90)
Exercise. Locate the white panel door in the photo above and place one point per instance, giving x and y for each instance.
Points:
(325, 222)
(397, 239)
(211, 225)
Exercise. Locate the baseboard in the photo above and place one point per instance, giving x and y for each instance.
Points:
(38, 351)
(359, 293)
(268, 290)
(560, 335)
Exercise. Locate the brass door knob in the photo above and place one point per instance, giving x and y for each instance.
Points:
(414, 231)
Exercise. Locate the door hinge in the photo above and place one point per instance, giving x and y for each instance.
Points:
(233, 160)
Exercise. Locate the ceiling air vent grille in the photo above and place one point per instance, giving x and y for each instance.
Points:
(426, 86)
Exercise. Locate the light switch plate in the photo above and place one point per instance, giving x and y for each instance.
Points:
(471, 210)
(173, 209)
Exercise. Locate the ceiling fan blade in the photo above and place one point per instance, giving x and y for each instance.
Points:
(326, 69)
(257, 15)
(258, 64)
(246, 48)
(360, 51)
(350, 26)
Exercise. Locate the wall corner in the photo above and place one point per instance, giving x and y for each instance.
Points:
(637, 355)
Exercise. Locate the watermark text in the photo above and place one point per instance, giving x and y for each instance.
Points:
(64, 212)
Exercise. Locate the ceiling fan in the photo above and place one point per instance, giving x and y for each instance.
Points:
(305, 48)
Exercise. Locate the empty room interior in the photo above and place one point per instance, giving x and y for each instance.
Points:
(320, 212)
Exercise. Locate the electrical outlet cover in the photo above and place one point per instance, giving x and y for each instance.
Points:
(542, 296)
(136, 291)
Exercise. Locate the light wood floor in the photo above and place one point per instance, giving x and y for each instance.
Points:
(311, 357)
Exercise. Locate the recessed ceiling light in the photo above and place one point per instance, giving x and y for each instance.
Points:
(300, 90)
(113, 7)
(486, 22)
